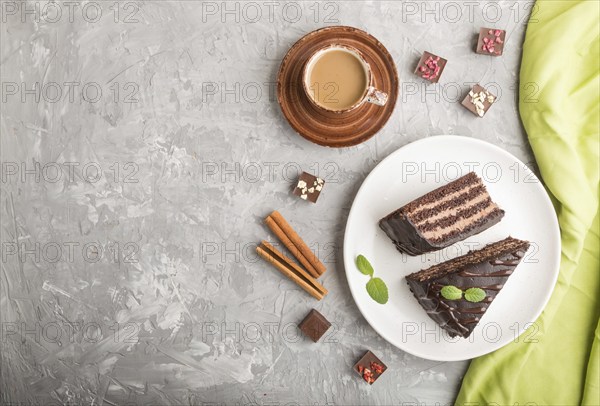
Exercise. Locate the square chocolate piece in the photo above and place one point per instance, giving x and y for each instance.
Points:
(370, 367)
(314, 325)
(430, 67)
(491, 41)
(479, 100)
(309, 187)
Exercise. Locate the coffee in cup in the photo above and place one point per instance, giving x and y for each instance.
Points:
(337, 78)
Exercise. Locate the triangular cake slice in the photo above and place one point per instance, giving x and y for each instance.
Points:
(486, 269)
(442, 217)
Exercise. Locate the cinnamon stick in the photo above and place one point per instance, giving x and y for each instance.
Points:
(287, 267)
(297, 246)
(297, 269)
(283, 237)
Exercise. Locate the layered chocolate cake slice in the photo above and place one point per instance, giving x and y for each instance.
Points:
(442, 217)
(456, 293)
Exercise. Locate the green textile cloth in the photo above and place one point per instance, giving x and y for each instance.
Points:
(559, 106)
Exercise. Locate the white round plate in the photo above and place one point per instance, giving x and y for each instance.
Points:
(414, 170)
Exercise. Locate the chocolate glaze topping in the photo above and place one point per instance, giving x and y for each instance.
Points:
(488, 268)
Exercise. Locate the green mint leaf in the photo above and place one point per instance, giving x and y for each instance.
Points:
(378, 290)
(451, 292)
(376, 287)
(364, 266)
(475, 295)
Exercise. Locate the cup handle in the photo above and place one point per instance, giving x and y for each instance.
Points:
(376, 96)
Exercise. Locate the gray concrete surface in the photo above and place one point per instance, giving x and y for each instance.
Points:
(136, 177)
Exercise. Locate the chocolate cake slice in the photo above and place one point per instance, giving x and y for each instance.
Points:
(483, 271)
(442, 217)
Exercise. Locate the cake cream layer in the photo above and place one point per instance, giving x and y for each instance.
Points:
(487, 269)
(443, 216)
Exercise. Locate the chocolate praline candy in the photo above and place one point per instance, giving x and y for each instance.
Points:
(479, 100)
(491, 41)
(309, 187)
(430, 67)
(369, 367)
(314, 325)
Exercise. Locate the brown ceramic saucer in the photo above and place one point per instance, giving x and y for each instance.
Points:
(328, 128)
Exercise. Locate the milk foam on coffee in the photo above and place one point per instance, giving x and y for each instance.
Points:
(338, 80)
